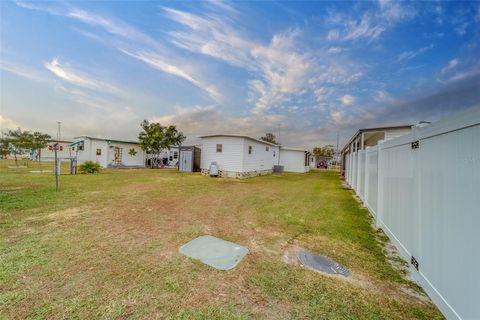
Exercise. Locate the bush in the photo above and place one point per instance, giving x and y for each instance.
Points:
(89, 167)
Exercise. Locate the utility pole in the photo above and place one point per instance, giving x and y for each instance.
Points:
(59, 132)
(337, 157)
(278, 134)
(55, 147)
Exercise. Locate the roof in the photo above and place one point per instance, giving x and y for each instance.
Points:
(103, 139)
(406, 126)
(239, 136)
(293, 149)
(61, 141)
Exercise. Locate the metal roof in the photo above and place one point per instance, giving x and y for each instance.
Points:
(239, 136)
(105, 139)
(406, 126)
(294, 149)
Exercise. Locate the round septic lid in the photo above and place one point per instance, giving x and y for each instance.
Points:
(322, 264)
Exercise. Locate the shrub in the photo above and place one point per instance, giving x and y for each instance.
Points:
(89, 167)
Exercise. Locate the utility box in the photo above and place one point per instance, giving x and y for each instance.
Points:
(189, 159)
(278, 169)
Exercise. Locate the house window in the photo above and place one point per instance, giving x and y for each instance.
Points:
(175, 154)
(61, 148)
(99, 152)
(249, 149)
(267, 148)
(274, 153)
(80, 147)
(50, 148)
(219, 148)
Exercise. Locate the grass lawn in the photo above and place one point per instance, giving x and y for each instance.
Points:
(106, 246)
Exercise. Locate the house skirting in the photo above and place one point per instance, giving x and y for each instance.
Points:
(238, 175)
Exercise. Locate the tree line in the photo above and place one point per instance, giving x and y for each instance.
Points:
(17, 142)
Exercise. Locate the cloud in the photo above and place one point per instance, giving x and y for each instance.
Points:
(451, 65)
(409, 55)
(333, 35)
(21, 71)
(337, 116)
(347, 100)
(280, 71)
(158, 62)
(371, 24)
(323, 93)
(78, 78)
(6, 123)
(130, 37)
(396, 11)
(201, 120)
(363, 28)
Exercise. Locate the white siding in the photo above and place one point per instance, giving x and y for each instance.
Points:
(89, 152)
(260, 159)
(92, 151)
(49, 155)
(231, 157)
(107, 156)
(395, 133)
(293, 161)
(127, 159)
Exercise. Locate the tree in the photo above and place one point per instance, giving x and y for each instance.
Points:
(154, 138)
(38, 142)
(4, 151)
(269, 137)
(16, 142)
(326, 151)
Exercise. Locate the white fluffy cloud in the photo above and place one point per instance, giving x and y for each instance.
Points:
(347, 100)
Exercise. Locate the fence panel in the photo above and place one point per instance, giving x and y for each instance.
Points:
(354, 170)
(360, 187)
(371, 179)
(347, 168)
(399, 218)
(428, 202)
(449, 211)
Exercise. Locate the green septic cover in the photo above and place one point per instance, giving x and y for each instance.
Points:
(217, 253)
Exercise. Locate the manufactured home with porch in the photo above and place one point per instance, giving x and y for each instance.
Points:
(108, 152)
(240, 156)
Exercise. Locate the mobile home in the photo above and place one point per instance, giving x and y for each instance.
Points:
(108, 152)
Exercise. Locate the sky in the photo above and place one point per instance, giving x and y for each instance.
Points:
(305, 71)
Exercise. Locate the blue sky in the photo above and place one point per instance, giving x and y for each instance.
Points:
(306, 69)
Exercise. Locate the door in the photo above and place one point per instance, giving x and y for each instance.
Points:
(186, 163)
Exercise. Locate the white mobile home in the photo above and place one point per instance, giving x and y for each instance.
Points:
(239, 156)
(64, 151)
(108, 152)
(294, 160)
(166, 158)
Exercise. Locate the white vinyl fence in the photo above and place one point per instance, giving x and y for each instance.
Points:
(423, 189)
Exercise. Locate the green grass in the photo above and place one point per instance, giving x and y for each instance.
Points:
(105, 246)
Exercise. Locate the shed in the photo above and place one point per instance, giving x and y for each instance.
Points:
(189, 159)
